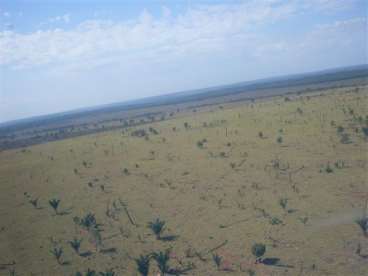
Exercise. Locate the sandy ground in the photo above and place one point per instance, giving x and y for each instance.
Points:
(219, 197)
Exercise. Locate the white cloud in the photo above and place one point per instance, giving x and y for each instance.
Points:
(202, 30)
(197, 30)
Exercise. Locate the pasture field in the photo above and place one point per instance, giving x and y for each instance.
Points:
(287, 172)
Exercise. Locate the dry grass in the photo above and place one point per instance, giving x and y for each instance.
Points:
(219, 198)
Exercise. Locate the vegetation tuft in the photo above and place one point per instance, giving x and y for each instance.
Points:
(258, 250)
(157, 226)
(54, 203)
(75, 244)
(143, 263)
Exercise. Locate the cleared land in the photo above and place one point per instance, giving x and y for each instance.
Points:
(288, 172)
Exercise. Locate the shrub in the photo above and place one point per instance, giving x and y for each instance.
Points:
(365, 131)
(109, 272)
(329, 169)
(283, 202)
(340, 129)
(54, 203)
(200, 144)
(279, 139)
(34, 202)
(57, 252)
(217, 260)
(75, 244)
(258, 250)
(157, 227)
(143, 264)
(89, 222)
(139, 133)
(162, 259)
(363, 223)
(345, 138)
(275, 221)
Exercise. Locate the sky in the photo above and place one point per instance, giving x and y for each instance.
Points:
(60, 55)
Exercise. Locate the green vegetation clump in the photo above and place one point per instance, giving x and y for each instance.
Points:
(139, 133)
(157, 226)
(329, 169)
(88, 222)
(217, 260)
(162, 259)
(201, 143)
(54, 203)
(57, 252)
(258, 250)
(143, 263)
(283, 203)
(34, 202)
(109, 272)
(363, 223)
(89, 272)
(275, 221)
(365, 131)
(75, 244)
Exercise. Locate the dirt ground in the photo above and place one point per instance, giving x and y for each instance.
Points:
(288, 172)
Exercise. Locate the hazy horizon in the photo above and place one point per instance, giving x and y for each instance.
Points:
(57, 57)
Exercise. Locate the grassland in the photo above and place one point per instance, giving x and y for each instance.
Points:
(287, 172)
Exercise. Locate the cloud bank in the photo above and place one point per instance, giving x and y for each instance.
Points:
(99, 61)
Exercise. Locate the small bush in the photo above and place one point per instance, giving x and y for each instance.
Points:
(54, 203)
(258, 250)
(340, 129)
(162, 259)
(57, 252)
(365, 131)
(75, 244)
(275, 221)
(34, 202)
(363, 223)
(329, 169)
(283, 202)
(217, 260)
(109, 272)
(143, 263)
(157, 227)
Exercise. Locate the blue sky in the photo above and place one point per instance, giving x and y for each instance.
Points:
(59, 55)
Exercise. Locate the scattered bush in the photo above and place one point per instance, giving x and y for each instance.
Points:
(283, 202)
(162, 259)
(139, 133)
(329, 169)
(57, 252)
(34, 202)
(365, 131)
(54, 203)
(109, 272)
(258, 250)
(75, 244)
(217, 260)
(275, 221)
(363, 223)
(143, 263)
(340, 129)
(157, 227)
